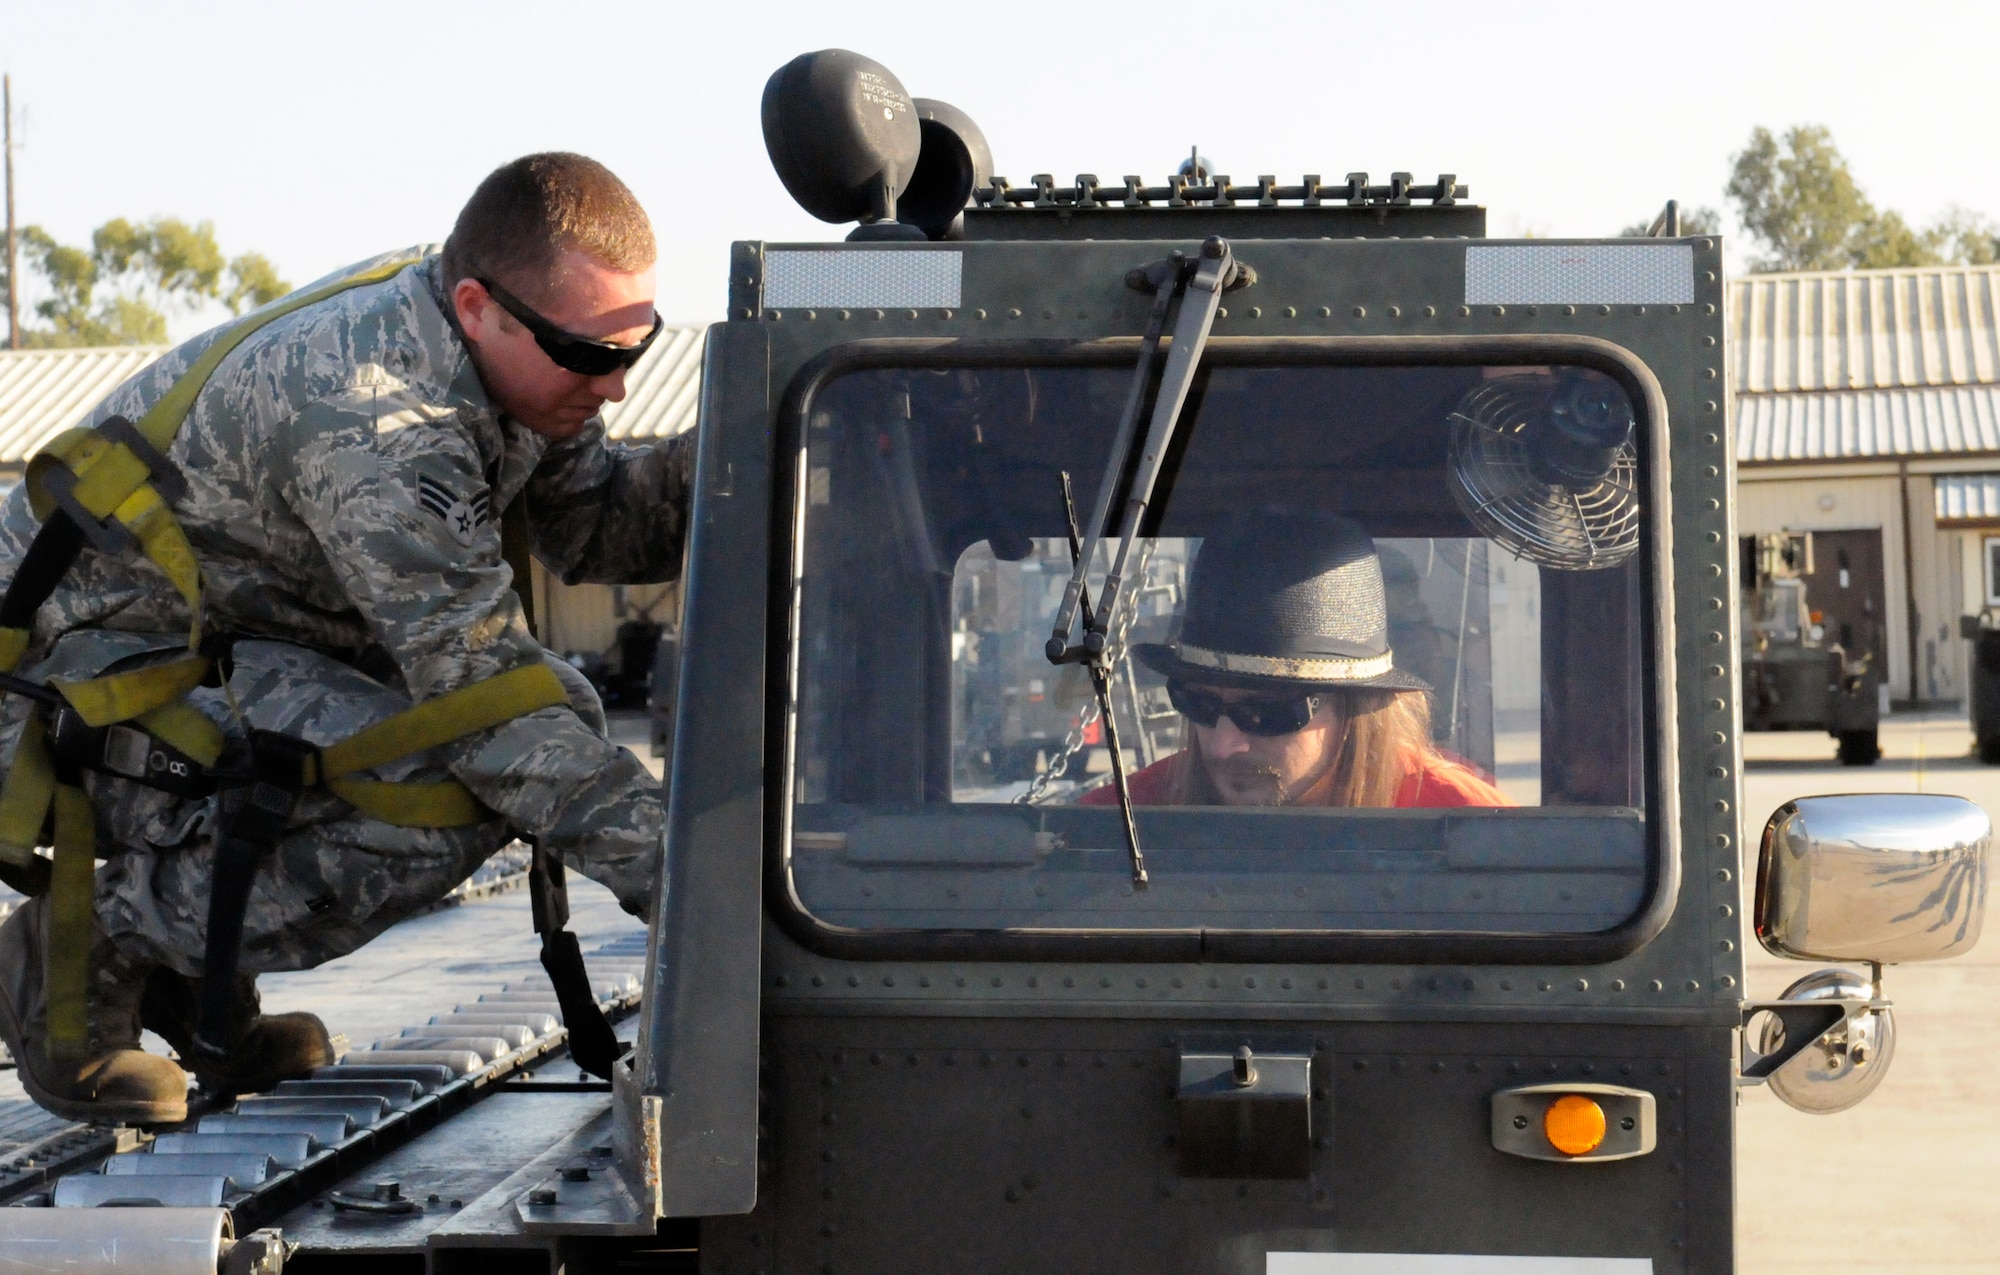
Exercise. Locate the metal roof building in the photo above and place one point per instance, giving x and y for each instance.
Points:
(43, 392)
(1866, 364)
(1867, 403)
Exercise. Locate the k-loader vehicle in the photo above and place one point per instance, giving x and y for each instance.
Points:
(972, 956)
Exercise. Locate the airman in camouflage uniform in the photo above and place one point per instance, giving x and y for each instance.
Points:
(346, 469)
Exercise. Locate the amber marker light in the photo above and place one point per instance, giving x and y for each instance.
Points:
(1574, 1125)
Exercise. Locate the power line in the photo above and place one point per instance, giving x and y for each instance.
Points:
(13, 259)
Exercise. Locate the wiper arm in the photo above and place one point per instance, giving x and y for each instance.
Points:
(1199, 287)
(1100, 682)
(1171, 284)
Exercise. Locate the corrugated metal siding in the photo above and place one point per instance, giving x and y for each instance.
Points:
(1866, 329)
(1867, 424)
(1968, 499)
(663, 393)
(43, 392)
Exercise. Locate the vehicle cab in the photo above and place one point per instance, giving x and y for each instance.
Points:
(930, 992)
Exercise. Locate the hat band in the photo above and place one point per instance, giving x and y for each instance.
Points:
(1297, 669)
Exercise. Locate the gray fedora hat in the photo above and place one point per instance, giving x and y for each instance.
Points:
(1284, 599)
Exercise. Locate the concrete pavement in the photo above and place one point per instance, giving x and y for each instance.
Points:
(1909, 1181)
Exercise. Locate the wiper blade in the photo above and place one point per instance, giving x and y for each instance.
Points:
(1197, 286)
(1100, 681)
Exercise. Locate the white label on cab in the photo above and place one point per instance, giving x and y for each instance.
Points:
(1449, 1264)
(1635, 273)
(890, 278)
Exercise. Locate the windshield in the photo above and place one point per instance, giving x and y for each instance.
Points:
(1382, 671)
(1778, 613)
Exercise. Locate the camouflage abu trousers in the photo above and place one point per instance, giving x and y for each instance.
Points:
(336, 879)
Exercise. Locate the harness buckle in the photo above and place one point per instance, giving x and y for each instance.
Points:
(125, 751)
(106, 537)
(164, 475)
(258, 805)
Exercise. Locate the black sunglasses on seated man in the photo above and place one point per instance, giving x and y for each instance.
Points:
(567, 350)
(1266, 716)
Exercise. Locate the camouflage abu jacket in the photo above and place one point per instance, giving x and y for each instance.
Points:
(345, 479)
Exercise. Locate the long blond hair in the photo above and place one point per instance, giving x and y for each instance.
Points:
(1387, 734)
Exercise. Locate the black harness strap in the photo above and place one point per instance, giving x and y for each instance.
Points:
(592, 1043)
(50, 555)
(254, 816)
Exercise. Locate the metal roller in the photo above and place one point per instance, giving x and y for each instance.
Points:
(127, 1241)
(487, 1047)
(537, 1022)
(459, 1062)
(243, 1169)
(175, 1190)
(397, 1092)
(286, 1150)
(428, 1077)
(515, 1034)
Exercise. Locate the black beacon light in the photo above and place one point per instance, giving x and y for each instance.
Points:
(850, 144)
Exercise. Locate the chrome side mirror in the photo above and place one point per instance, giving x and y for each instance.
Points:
(1880, 878)
(1883, 878)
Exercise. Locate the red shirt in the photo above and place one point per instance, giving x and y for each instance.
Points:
(1437, 780)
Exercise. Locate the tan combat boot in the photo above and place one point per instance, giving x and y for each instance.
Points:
(264, 1048)
(116, 1082)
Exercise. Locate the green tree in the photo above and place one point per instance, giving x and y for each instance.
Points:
(121, 289)
(253, 282)
(1886, 240)
(1694, 221)
(1799, 199)
(164, 263)
(1967, 237)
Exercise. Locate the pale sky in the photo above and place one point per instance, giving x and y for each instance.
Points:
(321, 134)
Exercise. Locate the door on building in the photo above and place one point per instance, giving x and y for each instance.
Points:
(1845, 590)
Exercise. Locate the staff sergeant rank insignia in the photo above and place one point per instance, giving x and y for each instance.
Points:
(459, 517)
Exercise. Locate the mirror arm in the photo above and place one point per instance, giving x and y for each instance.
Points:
(1805, 1023)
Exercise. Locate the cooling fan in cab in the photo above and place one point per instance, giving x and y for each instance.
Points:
(1544, 465)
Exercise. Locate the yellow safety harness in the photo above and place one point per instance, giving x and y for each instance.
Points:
(111, 488)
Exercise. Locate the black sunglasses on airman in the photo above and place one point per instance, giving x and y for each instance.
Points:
(1276, 715)
(567, 350)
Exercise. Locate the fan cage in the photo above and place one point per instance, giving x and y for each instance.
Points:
(1551, 524)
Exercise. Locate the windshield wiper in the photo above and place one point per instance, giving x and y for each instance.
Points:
(1196, 286)
(1100, 682)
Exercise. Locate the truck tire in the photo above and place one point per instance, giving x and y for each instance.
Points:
(1859, 747)
(1989, 749)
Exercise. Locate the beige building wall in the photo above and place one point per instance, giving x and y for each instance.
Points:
(585, 617)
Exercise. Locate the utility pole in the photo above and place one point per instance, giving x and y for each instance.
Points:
(13, 258)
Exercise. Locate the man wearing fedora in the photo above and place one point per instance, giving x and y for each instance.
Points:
(1283, 670)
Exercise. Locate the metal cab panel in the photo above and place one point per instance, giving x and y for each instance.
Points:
(688, 1111)
(1054, 1145)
